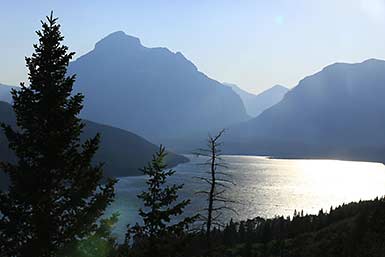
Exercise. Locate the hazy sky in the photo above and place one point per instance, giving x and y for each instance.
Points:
(254, 44)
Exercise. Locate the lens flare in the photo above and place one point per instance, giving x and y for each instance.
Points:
(279, 20)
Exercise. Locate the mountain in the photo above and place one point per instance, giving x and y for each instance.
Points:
(152, 92)
(122, 152)
(5, 92)
(338, 112)
(256, 104)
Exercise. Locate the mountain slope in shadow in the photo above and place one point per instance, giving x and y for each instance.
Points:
(123, 153)
(335, 113)
(5, 93)
(152, 92)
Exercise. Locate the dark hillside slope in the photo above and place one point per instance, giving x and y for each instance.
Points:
(122, 152)
(336, 113)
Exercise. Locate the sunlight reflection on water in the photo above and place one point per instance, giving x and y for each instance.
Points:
(267, 187)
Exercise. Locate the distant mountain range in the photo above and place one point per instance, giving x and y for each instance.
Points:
(152, 92)
(256, 104)
(122, 152)
(5, 94)
(337, 113)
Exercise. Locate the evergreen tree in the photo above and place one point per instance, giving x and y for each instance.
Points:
(230, 233)
(55, 196)
(159, 236)
(101, 243)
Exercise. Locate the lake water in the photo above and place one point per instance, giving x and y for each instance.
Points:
(265, 187)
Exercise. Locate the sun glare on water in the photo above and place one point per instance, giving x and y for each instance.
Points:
(269, 187)
(346, 179)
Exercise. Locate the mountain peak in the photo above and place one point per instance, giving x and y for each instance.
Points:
(256, 104)
(373, 60)
(279, 87)
(118, 39)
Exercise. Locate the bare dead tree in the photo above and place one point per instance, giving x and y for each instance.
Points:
(218, 182)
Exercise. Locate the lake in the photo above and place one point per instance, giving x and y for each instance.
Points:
(265, 187)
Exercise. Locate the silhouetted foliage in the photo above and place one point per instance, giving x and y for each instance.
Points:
(55, 197)
(159, 235)
(356, 229)
(99, 243)
(352, 230)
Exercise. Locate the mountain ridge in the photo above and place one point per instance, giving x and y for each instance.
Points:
(5, 92)
(122, 152)
(334, 113)
(152, 92)
(255, 104)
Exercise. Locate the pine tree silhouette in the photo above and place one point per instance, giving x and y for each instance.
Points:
(55, 196)
(158, 231)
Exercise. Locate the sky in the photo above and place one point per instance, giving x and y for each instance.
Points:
(254, 44)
